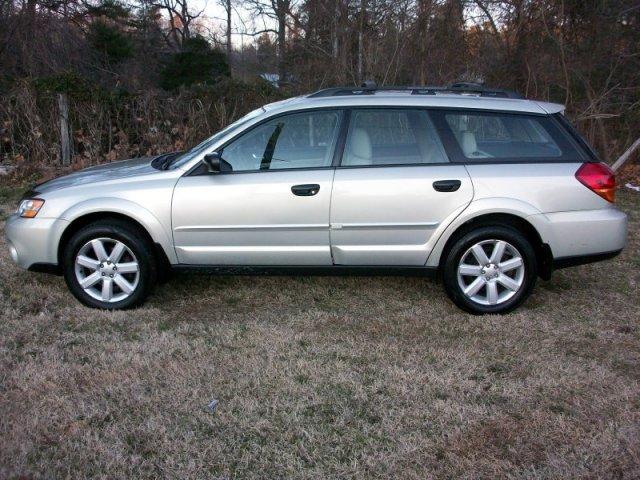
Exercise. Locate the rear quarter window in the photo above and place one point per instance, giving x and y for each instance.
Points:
(506, 137)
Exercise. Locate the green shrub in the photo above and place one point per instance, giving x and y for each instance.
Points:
(112, 9)
(196, 63)
(110, 42)
(67, 82)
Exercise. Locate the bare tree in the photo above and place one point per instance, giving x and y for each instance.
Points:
(181, 19)
(276, 13)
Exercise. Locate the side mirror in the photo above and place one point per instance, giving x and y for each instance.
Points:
(215, 163)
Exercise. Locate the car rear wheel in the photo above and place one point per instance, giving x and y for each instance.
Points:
(108, 265)
(490, 270)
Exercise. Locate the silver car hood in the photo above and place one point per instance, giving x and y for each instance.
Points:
(111, 171)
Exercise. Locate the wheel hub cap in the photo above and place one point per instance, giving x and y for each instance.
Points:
(490, 271)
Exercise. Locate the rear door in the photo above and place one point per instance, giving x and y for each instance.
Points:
(393, 189)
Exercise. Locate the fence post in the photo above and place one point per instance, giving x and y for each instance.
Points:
(625, 156)
(65, 141)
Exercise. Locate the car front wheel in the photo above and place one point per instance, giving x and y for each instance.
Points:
(490, 270)
(108, 265)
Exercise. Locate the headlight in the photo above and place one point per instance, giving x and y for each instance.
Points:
(30, 207)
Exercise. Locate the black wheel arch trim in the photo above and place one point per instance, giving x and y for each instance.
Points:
(84, 220)
(542, 250)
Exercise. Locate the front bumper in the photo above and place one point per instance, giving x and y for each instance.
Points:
(34, 241)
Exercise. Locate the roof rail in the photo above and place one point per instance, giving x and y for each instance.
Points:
(463, 88)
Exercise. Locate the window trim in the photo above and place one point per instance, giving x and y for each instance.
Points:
(576, 136)
(444, 132)
(199, 169)
(451, 147)
(341, 142)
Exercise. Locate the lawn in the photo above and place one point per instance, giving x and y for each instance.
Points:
(321, 377)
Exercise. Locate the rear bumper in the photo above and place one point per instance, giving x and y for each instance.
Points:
(33, 241)
(582, 236)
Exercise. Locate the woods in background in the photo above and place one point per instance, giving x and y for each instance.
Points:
(146, 76)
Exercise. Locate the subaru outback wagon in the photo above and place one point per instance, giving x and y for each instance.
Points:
(486, 188)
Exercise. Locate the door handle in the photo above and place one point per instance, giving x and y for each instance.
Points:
(446, 185)
(306, 190)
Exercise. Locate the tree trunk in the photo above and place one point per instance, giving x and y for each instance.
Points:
(174, 32)
(65, 141)
(360, 43)
(228, 32)
(185, 18)
(282, 37)
(334, 31)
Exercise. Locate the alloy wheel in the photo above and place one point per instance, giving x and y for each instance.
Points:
(491, 272)
(107, 269)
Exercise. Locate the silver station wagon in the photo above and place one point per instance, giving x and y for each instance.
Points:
(485, 188)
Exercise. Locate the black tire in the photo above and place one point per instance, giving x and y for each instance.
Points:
(137, 243)
(464, 243)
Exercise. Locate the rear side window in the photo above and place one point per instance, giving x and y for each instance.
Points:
(392, 137)
(510, 137)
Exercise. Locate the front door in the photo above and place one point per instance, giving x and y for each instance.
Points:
(273, 207)
(394, 188)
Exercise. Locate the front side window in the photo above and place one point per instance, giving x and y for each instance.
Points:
(206, 144)
(301, 140)
(392, 137)
(509, 137)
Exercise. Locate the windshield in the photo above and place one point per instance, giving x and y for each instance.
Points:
(206, 144)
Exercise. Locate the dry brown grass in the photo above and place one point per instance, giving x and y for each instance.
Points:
(323, 378)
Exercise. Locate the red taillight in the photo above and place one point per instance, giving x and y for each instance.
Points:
(598, 178)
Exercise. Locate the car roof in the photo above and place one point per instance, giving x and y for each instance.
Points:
(405, 99)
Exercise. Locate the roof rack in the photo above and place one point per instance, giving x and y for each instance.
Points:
(463, 88)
